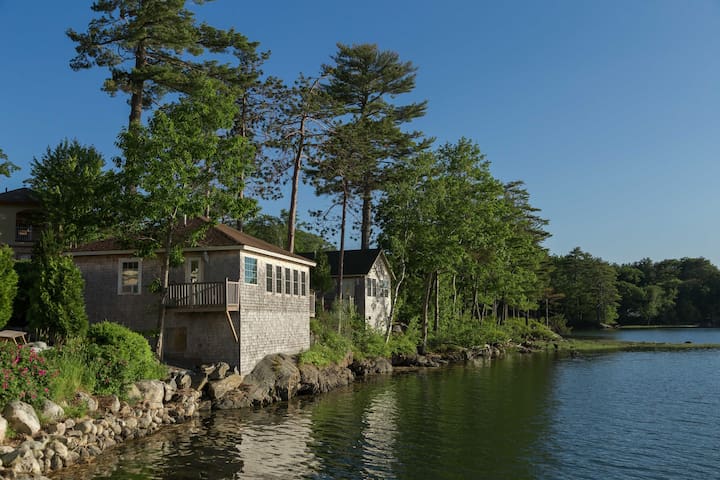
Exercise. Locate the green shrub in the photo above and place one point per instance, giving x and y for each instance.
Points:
(8, 283)
(369, 343)
(77, 372)
(24, 375)
(329, 346)
(405, 343)
(521, 330)
(57, 305)
(558, 324)
(121, 357)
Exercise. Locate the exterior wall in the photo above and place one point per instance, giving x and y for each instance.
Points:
(102, 301)
(272, 322)
(8, 215)
(268, 322)
(377, 308)
(193, 338)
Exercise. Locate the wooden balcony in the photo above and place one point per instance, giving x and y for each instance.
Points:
(204, 297)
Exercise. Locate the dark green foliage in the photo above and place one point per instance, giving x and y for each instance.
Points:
(153, 47)
(8, 284)
(684, 291)
(274, 230)
(329, 346)
(57, 304)
(78, 196)
(24, 375)
(25, 270)
(589, 287)
(6, 166)
(77, 370)
(120, 357)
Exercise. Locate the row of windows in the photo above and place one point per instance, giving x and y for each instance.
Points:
(293, 281)
(372, 285)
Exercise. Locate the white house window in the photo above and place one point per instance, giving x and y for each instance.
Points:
(384, 288)
(129, 276)
(296, 290)
(287, 281)
(278, 279)
(251, 274)
(303, 283)
(269, 277)
(371, 287)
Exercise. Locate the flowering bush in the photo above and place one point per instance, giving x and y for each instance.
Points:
(24, 375)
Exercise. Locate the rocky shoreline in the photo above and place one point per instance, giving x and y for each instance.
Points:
(63, 442)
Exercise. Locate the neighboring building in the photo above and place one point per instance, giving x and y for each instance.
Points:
(236, 298)
(20, 220)
(367, 278)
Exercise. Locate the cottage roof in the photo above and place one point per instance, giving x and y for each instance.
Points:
(19, 196)
(356, 262)
(216, 237)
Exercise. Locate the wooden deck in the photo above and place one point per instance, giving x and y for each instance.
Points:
(204, 297)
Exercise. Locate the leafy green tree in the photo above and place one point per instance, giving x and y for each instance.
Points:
(57, 303)
(6, 166)
(589, 286)
(182, 169)
(78, 196)
(274, 230)
(8, 283)
(362, 82)
(152, 47)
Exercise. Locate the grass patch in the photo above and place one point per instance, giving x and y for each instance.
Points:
(605, 345)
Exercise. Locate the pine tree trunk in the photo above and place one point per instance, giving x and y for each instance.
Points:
(436, 325)
(136, 100)
(295, 185)
(341, 259)
(366, 218)
(426, 308)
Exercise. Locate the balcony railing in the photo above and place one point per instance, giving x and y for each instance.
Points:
(204, 296)
(24, 233)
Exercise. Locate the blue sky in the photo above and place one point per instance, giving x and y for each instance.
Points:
(608, 110)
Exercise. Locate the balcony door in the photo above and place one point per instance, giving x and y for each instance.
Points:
(193, 276)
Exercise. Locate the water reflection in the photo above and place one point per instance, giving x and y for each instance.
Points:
(467, 422)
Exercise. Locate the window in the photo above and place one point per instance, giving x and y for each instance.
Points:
(269, 277)
(295, 282)
(384, 288)
(371, 287)
(251, 270)
(303, 284)
(287, 281)
(129, 276)
(278, 279)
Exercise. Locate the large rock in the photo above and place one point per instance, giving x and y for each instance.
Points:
(219, 372)
(275, 377)
(152, 391)
(52, 412)
(217, 389)
(371, 366)
(3, 429)
(22, 417)
(22, 460)
(87, 400)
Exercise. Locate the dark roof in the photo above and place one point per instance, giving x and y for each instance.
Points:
(216, 236)
(356, 262)
(19, 196)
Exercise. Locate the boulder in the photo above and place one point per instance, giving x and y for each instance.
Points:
(371, 366)
(309, 379)
(22, 460)
(219, 372)
(3, 429)
(275, 377)
(133, 393)
(183, 381)
(152, 391)
(109, 403)
(52, 412)
(87, 400)
(198, 381)
(219, 388)
(22, 417)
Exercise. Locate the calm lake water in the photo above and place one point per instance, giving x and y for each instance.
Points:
(634, 415)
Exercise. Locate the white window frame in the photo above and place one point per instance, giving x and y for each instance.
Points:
(303, 283)
(288, 282)
(122, 261)
(269, 278)
(245, 270)
(278, 279)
